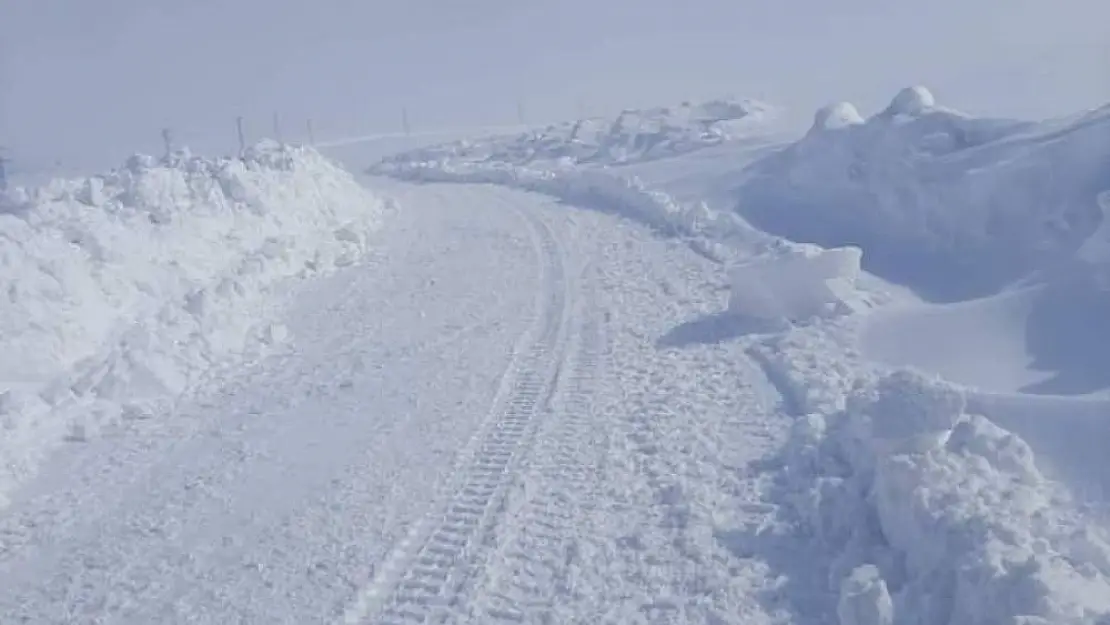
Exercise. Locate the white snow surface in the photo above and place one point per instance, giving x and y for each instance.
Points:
(121, 291)
(635, 135)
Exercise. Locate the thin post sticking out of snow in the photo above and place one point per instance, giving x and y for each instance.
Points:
(311, 134)
(405, 120)
(242, 137)
(277, 130)
(3, 172)
(167, 140)
(520, 112)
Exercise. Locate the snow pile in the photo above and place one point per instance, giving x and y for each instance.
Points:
(124, 288)
(937, 516)
(952, 205)
(633, 136)
(805, 282)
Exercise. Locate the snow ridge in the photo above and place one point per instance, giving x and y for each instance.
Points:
(123, 289)
(633, 136)
(930, 193)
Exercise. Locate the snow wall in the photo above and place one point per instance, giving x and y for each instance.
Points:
(119, 291)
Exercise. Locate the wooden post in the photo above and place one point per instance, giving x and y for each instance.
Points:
(167, 140)
(405, 120)
(242, 137)
(3, 171)
(277, 130)
(311, 134)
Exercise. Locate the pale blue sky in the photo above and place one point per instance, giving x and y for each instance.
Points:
(90, 81)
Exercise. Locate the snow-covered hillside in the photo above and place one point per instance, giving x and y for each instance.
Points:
(634, 135)
(124, 289)
(952, 205)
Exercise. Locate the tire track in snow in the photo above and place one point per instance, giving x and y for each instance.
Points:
(420, 581)
(540, 548)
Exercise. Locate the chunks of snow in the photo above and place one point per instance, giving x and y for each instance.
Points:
(931, 515)
(864, 598)
(124, 287)
(804, 282)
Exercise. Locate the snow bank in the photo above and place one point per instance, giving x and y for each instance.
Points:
(952, 205)
(944, 514)
(597, 190)
(631, 137)
(805, 282)
(919, 509)
(122, 289)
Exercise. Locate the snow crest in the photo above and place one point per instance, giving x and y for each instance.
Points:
(121, 290)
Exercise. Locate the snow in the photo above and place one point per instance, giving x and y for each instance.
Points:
(701, 225)
(912, 101)
(952, 205)
(836, 116)
(799, 284)
(632, 136)
(123, 290)
(586, 379)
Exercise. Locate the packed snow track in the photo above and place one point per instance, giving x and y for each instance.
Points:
(487, 420)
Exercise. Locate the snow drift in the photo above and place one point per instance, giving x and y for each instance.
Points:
(952, 205)
(122, 289)
(632, 136)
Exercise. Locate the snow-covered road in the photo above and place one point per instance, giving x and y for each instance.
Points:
(513, 411)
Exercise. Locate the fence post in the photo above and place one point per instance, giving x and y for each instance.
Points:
(242, 137)
(3, 171)
(311, 134)
(520, 112)
(277, 130)
(167, 140)
(405, 120)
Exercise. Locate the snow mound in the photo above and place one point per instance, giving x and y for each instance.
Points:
(631, 137)
(836, 116)
(934, 515)
(805, 282)
(121, 290)
(950, 205)
(912, 101)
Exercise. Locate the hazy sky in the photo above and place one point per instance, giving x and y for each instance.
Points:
(88, 82)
